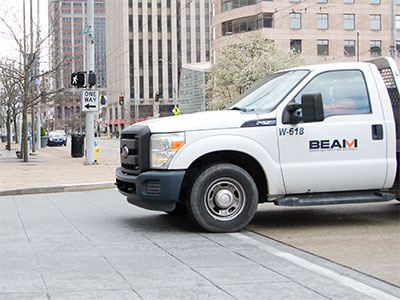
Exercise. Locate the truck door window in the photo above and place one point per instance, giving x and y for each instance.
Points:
(343, 92)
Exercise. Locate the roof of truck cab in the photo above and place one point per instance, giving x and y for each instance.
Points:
(331, 66)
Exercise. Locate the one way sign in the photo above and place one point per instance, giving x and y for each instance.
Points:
(90, 100)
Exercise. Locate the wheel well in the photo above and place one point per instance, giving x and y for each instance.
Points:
(240, 159)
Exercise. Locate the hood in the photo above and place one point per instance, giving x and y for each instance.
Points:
(200, 121)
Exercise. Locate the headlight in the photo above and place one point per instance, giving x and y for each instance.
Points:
(163, 147)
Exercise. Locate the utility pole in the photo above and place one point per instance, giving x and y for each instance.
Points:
(90, 68)
(244, 65)
(36, 82)
(358, 45)
(174, 83)
(392, 45)
(32, 75)
(136, 99)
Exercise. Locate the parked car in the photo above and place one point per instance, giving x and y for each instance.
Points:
(57, 138)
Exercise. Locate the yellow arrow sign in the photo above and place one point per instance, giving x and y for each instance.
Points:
(176, 110)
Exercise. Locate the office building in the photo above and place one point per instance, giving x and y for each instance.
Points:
(67, 19)
(148, 41)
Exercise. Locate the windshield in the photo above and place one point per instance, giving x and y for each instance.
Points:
(267, 93)
(56, 134)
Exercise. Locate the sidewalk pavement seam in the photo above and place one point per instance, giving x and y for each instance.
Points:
(59, 189)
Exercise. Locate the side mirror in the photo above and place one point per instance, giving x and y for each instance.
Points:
(312, 110)
(312, 107)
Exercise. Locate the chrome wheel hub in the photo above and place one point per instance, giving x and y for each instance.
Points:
(224, 199)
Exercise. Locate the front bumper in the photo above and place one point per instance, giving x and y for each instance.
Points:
(56, 143)
(155, 190)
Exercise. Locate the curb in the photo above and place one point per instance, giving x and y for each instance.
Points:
(59, 189)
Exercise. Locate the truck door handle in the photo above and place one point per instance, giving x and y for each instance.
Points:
(377, 132)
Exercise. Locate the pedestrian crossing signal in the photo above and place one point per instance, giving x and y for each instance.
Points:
(78, 79)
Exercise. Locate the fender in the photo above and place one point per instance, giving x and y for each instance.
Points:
(195, 148)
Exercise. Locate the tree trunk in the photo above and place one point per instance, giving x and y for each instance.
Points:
(24, 144)
(16, 128)
(8, 128)
(33, 129)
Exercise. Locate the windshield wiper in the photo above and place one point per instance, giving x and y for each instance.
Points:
(238, 108)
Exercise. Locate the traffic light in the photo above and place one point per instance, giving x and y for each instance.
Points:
(92, 79)
(103, 99)
(156, 97)
(121, 100)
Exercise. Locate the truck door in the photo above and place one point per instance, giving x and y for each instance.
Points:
(345, 151)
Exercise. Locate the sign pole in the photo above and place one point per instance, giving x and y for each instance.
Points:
(90, 67)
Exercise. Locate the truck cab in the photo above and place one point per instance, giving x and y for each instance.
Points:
(315, 135)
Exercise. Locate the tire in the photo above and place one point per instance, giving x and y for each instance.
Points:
(223, 198)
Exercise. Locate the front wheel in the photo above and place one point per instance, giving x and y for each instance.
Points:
(223, 198)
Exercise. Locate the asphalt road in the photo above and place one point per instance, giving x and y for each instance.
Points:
(94, 245)
(365, 237)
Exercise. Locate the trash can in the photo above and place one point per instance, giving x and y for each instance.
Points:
(77, 143)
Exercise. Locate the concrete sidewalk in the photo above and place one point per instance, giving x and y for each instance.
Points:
(52, 169)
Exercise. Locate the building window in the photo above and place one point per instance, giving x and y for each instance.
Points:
(322, 21)
(231, 4)
(375, 22)
(348, 1)
(295, 46)
(295, 21)
(375, 48)
(322, 1)
(348, 20)
(375, 1)
(349, 48)
(246, 24)
(323, 47)
(397, 22)
(268, 20)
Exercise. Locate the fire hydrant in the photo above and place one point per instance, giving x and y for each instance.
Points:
(96, 149)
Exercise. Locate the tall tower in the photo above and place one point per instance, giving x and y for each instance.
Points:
(148, 41)
(67, 21)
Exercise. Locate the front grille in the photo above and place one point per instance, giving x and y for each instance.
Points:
(137, 139)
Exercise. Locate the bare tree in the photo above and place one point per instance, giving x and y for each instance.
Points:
(10, 99)
(27, 72)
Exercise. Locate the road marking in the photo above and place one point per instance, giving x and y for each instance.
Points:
(343, 280)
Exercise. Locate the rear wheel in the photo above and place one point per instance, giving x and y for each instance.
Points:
(223, 198)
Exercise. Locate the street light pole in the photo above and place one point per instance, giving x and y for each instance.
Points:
(174, 80)
(89, 69)
(358, 45)
(38, 123)
(392, 45)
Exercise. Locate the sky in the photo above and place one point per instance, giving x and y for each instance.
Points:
(11, 10)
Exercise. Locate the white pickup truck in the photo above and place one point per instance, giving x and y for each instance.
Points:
(314, 135)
